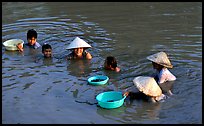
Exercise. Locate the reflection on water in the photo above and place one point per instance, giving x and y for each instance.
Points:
(78, 67)
(48, 61)
(146, 111)
(133, 112)
(33, 86)
(114, 114)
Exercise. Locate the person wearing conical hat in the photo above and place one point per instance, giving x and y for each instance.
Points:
(161, 63)
(149, 87)
(78, 47)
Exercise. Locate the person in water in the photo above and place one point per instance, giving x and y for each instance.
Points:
(32, 40)
(161, 63)
(163, 76)
(47, 50)
(111, 64)
(78, 47)
(148, 88)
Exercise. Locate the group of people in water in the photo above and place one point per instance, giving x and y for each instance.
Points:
(148, 86)
(78, 47)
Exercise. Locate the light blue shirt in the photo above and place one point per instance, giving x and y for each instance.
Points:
(35, 46)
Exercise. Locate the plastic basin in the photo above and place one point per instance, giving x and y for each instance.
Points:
(110, 99)
(11, 44)
(98, 80)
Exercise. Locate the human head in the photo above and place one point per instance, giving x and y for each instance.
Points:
(32, 36)
(110, 62)
(47, 50)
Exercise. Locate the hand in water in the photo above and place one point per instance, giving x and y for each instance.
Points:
(126, 94)
(20, 47)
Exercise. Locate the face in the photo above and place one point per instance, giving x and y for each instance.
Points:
(78, 51)
(47, 53)
(156, 66)
(32, 41)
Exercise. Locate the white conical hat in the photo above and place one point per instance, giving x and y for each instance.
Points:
(147, 85)
(160, 58)
(77, 43)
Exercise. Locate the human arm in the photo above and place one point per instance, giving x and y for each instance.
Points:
(126, 93)
(20, 47)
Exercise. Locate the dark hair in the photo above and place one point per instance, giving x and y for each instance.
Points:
(111, 61)
(32, 33)
(46, 46)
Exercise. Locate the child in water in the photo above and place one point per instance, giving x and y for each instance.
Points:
(47, 50)
(32, 40)
(111, 64)
(161, 62)
(78, 47)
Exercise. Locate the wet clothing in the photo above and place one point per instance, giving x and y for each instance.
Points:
(165, 75)
(35, 46)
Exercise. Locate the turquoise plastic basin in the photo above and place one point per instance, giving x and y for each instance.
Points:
(98, 80)
(110, 99)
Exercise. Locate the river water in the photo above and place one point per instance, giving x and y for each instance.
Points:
(36, 90)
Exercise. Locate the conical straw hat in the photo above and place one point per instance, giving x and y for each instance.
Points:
(161, 58)
(78, 43)
(147, 85)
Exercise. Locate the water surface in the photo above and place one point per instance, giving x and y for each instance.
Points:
(36, 90)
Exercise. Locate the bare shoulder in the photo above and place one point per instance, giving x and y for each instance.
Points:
(88, 55)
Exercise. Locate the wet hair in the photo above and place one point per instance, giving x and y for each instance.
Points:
(111, 61)
(32, 33)
(46, 46)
